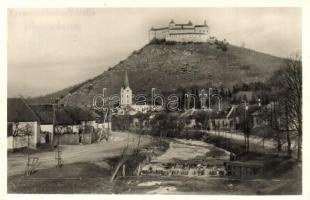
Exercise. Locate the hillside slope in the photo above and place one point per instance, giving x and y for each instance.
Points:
(169, 67)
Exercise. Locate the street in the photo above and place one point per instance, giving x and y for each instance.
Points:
(79, 153)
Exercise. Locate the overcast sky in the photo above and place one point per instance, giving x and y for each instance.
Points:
(50, 49)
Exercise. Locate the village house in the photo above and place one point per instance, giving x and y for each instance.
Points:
(53, 119)
(67, 124)
(85, 131)
(23, 125)
(222, 120)
(258, 119)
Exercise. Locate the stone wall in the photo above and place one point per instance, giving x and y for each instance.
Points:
(74, 138)
(70, 138)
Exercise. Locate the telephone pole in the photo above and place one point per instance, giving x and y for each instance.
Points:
(58, 151)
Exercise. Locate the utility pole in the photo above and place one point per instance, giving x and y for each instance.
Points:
(210, 89)
(58, 152)
(260, 113)
(108, 116)
(28, 156)
(246, 142)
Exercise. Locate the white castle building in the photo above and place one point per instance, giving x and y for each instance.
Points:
(181, 32)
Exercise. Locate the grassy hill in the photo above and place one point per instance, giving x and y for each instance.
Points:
(168, 67)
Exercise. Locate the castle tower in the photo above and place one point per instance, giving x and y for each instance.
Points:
(126, 93)
(171, 24)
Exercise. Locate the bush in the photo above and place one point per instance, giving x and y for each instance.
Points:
(221, 45)
(157, 41)
(170, 43)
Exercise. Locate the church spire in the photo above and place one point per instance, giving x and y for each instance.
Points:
(126, 82)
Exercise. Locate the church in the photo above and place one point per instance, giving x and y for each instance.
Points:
(126, 93)
(126, 100)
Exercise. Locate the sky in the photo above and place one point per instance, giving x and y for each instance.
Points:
(51, 49)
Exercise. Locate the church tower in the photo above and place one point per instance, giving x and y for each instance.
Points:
(126, 93)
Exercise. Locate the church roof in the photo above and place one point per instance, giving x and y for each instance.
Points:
(126, 81)
(158, 29)
(201, 25)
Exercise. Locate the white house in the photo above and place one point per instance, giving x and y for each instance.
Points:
(23, 125)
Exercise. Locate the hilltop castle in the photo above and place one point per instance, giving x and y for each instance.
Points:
(181, 32)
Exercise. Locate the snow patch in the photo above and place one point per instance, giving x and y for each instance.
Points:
(150, 183)
(163, 190)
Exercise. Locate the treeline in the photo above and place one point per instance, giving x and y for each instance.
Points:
(253, 86)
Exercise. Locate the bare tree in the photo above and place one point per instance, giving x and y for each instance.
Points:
(21, 131)
(291, 81)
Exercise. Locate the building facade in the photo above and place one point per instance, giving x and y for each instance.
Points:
(23, 125)
(181, 32)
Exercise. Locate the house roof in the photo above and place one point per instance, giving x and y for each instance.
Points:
(188, 24)
(186, 34)
(19, 111)
(46, 114)
(63, 118)
(201, 25)
(80, 114)
(182, 28)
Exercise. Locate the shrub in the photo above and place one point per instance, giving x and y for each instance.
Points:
(157, 41)
(170, 43)
(221, 45)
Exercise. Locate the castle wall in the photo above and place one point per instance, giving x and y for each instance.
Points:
(158, 34)
(181, 33)
(187, 38)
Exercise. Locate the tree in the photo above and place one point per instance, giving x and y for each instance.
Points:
(287, 93)
(21, 131)
(291, 81)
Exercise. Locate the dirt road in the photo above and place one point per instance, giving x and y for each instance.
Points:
(79, 153)
(255, 142)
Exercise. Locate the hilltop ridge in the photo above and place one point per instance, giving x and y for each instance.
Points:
(169, 66)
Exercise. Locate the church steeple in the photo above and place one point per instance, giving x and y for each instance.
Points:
(126, 81)
(126, 92)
